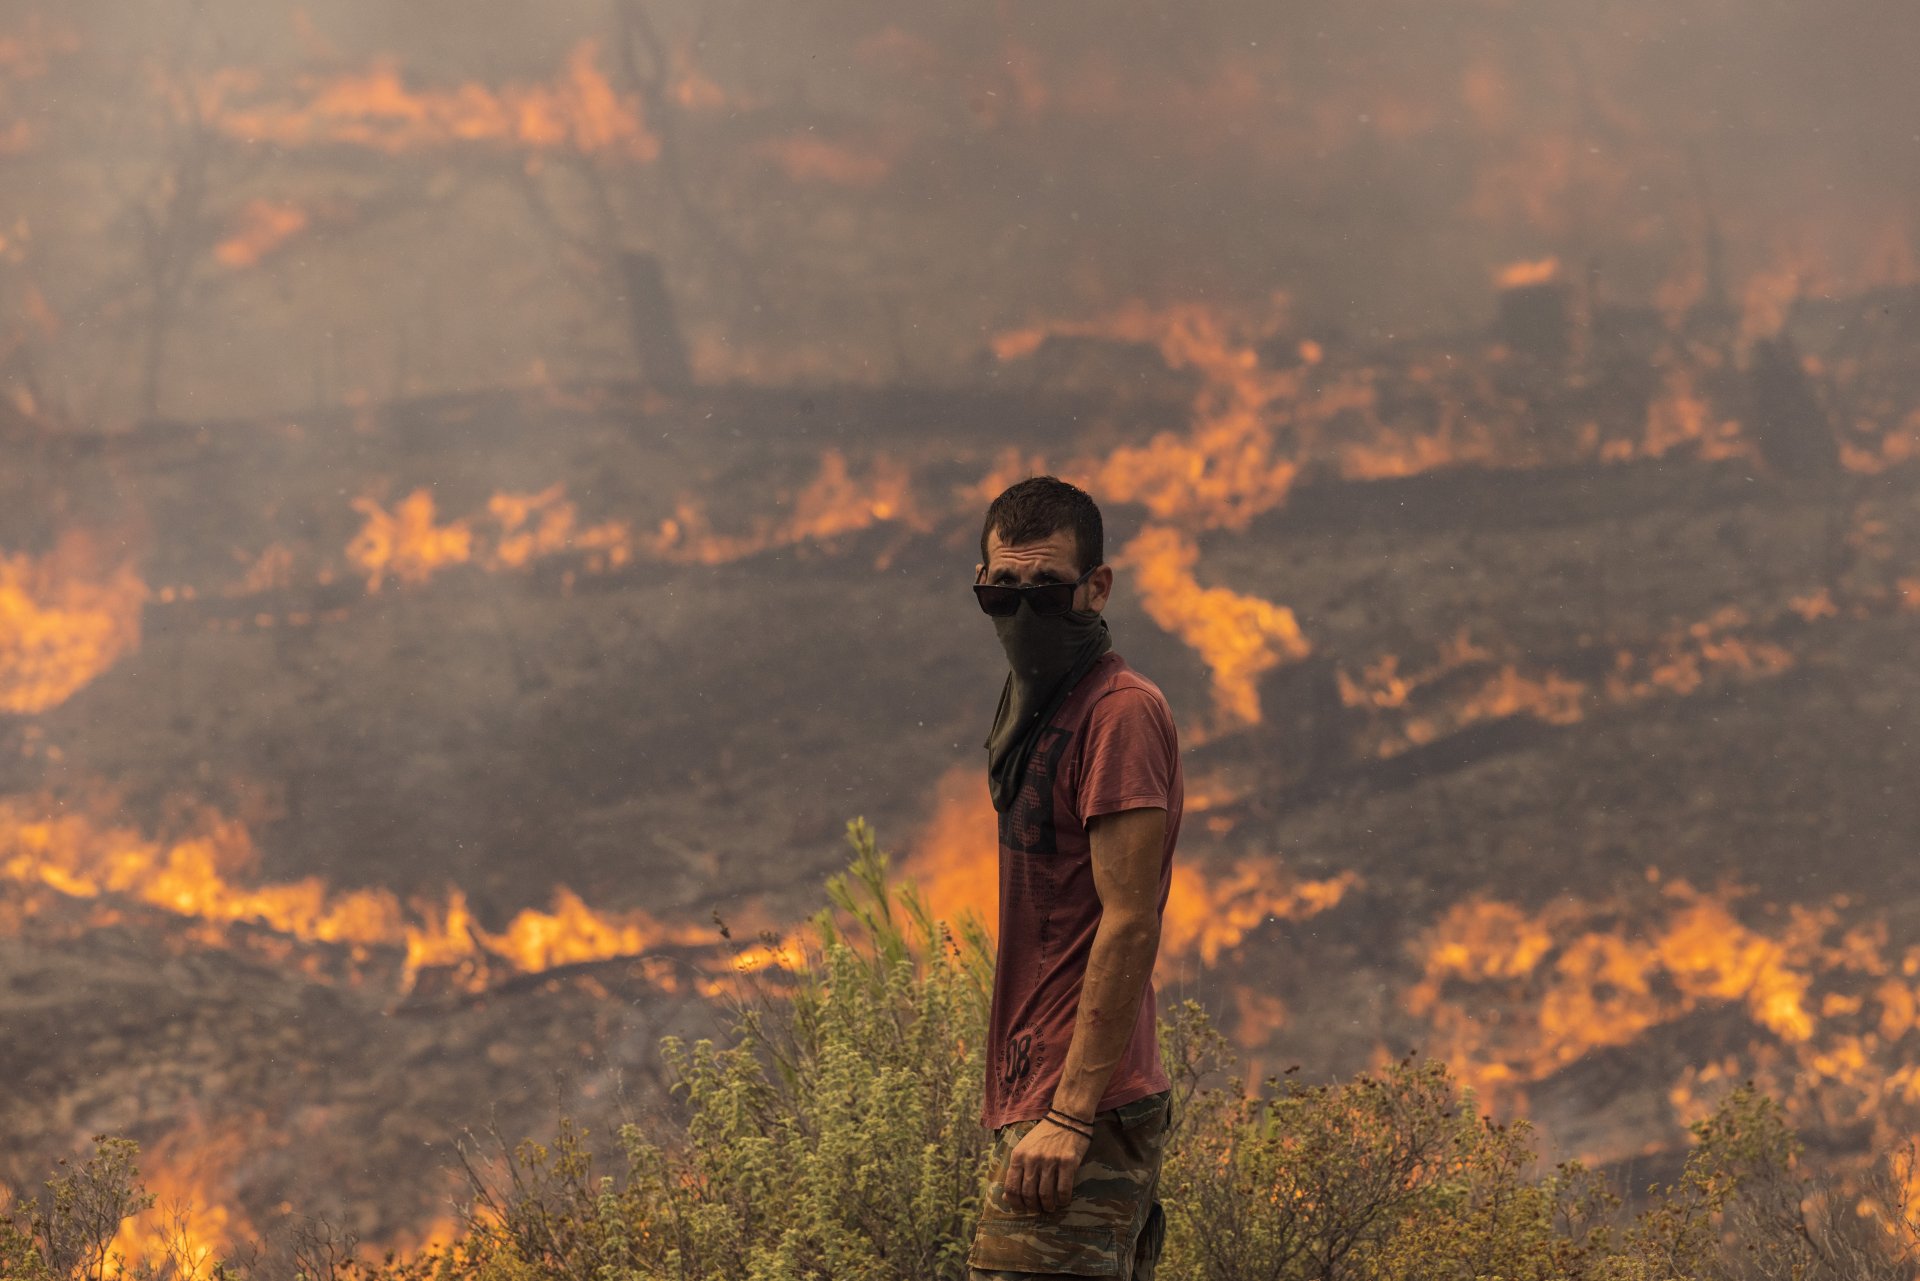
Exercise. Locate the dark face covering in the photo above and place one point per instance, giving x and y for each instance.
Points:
(1048, 657)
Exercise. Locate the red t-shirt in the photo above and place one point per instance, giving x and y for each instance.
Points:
(1111, 747)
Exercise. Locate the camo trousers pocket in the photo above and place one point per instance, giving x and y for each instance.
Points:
(1098, 1233)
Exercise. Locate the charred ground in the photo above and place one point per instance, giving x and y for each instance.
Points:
(1564, 730)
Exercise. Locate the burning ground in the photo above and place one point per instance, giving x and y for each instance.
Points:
(1508, 432)
(356, 815)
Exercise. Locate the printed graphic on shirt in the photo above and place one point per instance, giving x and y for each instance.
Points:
(1027, 825)
(1020, 1055)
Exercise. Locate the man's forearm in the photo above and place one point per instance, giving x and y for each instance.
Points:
(1118, 967)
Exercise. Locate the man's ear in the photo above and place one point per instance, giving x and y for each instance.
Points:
(1099, 588)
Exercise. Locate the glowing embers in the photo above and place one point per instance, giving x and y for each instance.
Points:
(64, 618)
(835, 503)
(1238, 637)
(199, 876)
(407, 543)
(1463, 687)
(580, 111)
(1468, 684)
(1513, 995)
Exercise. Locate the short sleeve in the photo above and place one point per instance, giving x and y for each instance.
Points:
(1128, 759)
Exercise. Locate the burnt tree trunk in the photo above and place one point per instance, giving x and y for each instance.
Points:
(1790, 429)
(657, 343)
(1537, 320)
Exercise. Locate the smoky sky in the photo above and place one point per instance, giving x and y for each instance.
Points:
(866, 191)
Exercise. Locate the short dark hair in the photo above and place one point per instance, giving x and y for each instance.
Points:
(1039, 507)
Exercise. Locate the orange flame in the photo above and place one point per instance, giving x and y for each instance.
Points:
(82, 858)
(694, 90)
(955, 856)
(1239, 637)
(271, 570)
(409, 545)
(536, 526)
(572, 932)
(195, 876)
(376, 109)
(1519, 275)
(195, 1220)
(1575, 977)
(1897, 446)
(1680, 416)
(260, 227)
(437, 1235)
(62, 624)
(192, 1221)
(1682, 662)
(1677, 664)
(1549, 697)
(1227, 469)
(834, 504)
(405, 543)
(1252, 429)
(1208, 917)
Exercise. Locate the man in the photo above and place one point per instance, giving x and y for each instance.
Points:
(1084, 768)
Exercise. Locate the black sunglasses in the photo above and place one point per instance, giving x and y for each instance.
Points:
(1048, 600)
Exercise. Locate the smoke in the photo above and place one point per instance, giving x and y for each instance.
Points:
(857, 191)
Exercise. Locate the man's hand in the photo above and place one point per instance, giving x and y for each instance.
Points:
(1040, 1172)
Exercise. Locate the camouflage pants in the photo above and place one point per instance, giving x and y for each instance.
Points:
(1112, 1228)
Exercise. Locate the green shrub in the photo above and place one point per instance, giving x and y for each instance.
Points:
(834, 1135)
(1389, 1175)
(837, 1135)
(67, 1232)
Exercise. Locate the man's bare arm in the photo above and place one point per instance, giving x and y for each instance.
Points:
(1127, 852)
(1128, 849)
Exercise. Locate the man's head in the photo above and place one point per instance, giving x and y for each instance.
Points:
(1044, 530)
